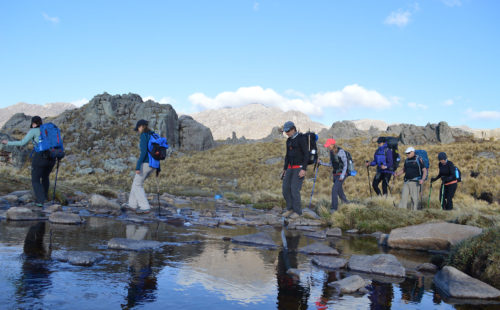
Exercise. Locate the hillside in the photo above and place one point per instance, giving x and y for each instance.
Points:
(49, 109)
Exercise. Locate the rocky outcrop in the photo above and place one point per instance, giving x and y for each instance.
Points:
(194, 136)
(19, 123)
(50, 109)
(457, 284)
(430, 134)
(382, 264)
(431, 236)
(344, 130)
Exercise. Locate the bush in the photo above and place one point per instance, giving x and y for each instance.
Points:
(479, 256)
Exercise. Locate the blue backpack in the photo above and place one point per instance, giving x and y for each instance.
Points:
(423, 155)
(50, 140)
(157, 149)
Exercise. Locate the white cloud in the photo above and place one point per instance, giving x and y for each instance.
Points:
(420, 106)
(256, 6)
(448, 102)
(79, 103)
(164, 100)
(484, 115)
(452, 3)
(54, 20)
(349, 97)
(398, 18)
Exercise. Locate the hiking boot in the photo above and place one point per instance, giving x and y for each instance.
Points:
(142, 211)
(287, 213)
(294, 216)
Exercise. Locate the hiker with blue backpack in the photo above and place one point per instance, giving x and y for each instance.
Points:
(383, 159)
(153, 149)
(47, 143)
(339, 161)
(450, 176)
(415, 170)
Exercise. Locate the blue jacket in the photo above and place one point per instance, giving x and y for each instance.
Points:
(383, 156)
(143, 146)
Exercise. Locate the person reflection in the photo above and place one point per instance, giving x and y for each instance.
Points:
(143, 282)
(412, 290)
(35, 272)
(381, 296)
(291, 295)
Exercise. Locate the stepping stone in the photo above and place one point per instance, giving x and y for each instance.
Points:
(329, 262)
(65, 218)
(318, 249)
(77, 258)
(259, 239)
(455, 283)
(24, 214)
(133, 245)
(350, 284)
(382, 264)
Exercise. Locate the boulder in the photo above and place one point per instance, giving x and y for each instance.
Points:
(10, 198)
(14, 154)
(334, 232)
(457, 284)
(101, 205)
(194, 136)
(318, 249)
(382, 264)
(53, 208)
(431, 236)
(316, 234)
(65, 218)
(350, 284)
(133, 245)
(344, 129)
(329, 262)
(23, 214)
(444, 133)
(259, 239)
(427, 267)
(77, 258)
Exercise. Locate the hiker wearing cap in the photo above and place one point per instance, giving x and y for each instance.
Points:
(41, 163)
(137, 198)
(338, 161)
(294, 169)
(415, 174)
(384, 162)
(449, 181)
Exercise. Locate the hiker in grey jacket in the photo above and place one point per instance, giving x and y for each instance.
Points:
(41, 163)
(338, 161)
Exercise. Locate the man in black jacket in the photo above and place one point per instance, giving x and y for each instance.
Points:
(294, 169)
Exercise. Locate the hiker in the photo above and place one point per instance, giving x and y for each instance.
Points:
(415, 174)
(384, 162)
(449, 181)
(137, 199)
(338, 161)
(41, 162)
(294, 169)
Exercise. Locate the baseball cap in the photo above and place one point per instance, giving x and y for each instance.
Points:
(409, 150)
(329, 142)
(288, 125)
(140, 122)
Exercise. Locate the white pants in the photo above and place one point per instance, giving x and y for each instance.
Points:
(410, 189)
(137, 197)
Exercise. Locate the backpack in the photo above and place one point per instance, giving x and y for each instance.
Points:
(311, 139)
(350, 164)
(51, 141)
(458, 174)
(423, 155)
(392, 144)
(157, 147)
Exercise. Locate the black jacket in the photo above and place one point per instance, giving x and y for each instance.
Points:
(446, 172)
(297, 152)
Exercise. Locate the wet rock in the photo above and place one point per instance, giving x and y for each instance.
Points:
(431, 236)
(101, 205)
(65, 218)
(133, 245)
(382, 240)
(23, 214)
(209, 222)
(427, 267)
(53, 208)
(318, 249)
(308, 213)
(377, 234)
(21, 193)
(186, 211)
(300, 222)
(457, 284)
(78, 258)
(10, 198)
(384, 264)
(350, 284)
(329, 262)
(334, 232)
(352, 231)
(316, 234)
(259, 239)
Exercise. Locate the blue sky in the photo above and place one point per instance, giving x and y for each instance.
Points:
(397, 61)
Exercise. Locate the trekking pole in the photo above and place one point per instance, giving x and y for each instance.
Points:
(442, 197)
(158, 192)
(368, 170)
(55, 182)
(429, 202)
(316, 166)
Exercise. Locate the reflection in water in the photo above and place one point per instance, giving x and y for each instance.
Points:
(412, 289)
(381, 296)
(35, 272)
(291, 294)
(143, 283)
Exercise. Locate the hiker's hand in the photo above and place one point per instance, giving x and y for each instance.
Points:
(367, 163)
(138, 172)
(341, 178)
(4, 141)
(383, 167)
(421, 181)
(302, 173)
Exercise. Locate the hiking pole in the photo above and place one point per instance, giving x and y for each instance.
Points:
(442, 197)
(158, 191)
(368, 170)
(55, 182)
(316, 166)
(429, 202)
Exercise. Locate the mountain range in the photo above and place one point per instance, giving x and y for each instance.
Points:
(49, 109)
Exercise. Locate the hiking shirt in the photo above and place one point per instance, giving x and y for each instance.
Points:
(33, 135)
(446, 172)
(383, 156)
(339, 162)
(413, 168)
(297, 153)
(143, 146)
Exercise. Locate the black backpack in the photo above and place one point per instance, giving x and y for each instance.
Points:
(312, 147)
(350, 164)
(392, 144)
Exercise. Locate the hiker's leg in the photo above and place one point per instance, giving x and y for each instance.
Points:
(449, 192)
(46, 178)
(295, 191)
(287, 188)
(341, 190)
(404, 196)
(441, 197)
(415, 194)
(138, 197)
(386, 177)
(335, 193)
(36, 176)
(376, 180)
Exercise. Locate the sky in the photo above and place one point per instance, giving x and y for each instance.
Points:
(397, 61)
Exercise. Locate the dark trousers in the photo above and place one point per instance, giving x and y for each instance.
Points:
(384, 178)
(292, 185)
(446, 198)
(41, 166)
(338, 192)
